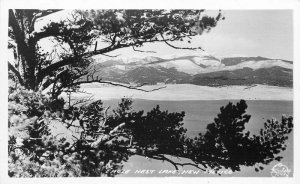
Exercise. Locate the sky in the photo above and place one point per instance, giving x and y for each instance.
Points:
(267, 33)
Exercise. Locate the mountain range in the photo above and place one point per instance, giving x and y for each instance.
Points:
(205, 70)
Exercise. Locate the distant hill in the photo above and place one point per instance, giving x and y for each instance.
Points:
(274, 76)
(236, 60)
(204, 70)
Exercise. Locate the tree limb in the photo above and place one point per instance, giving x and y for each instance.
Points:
(175, 164)
(41, 14)
(105, 116)
(107, 137)
(184, 48)
(21, 45)
(15, 71)
(118, 84)
(142, 50)
(110, 55)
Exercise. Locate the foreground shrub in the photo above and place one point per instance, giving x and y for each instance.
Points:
(47, 139)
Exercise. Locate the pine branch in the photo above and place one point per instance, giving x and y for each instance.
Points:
(175, 164)
(116, 84)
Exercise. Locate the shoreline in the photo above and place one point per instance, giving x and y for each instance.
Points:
(141, 99)
(190, 92)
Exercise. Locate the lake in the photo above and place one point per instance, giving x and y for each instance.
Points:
(198, 114)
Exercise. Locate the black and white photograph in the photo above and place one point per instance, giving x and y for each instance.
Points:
(149, 92)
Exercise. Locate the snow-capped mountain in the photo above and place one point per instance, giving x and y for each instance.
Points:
(198, 69)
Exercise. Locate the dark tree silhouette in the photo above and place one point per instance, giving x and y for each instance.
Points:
(227, 144)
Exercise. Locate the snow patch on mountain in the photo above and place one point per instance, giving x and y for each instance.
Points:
(120, 67)
(184, 65)
(260, 64)
(208, 62)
